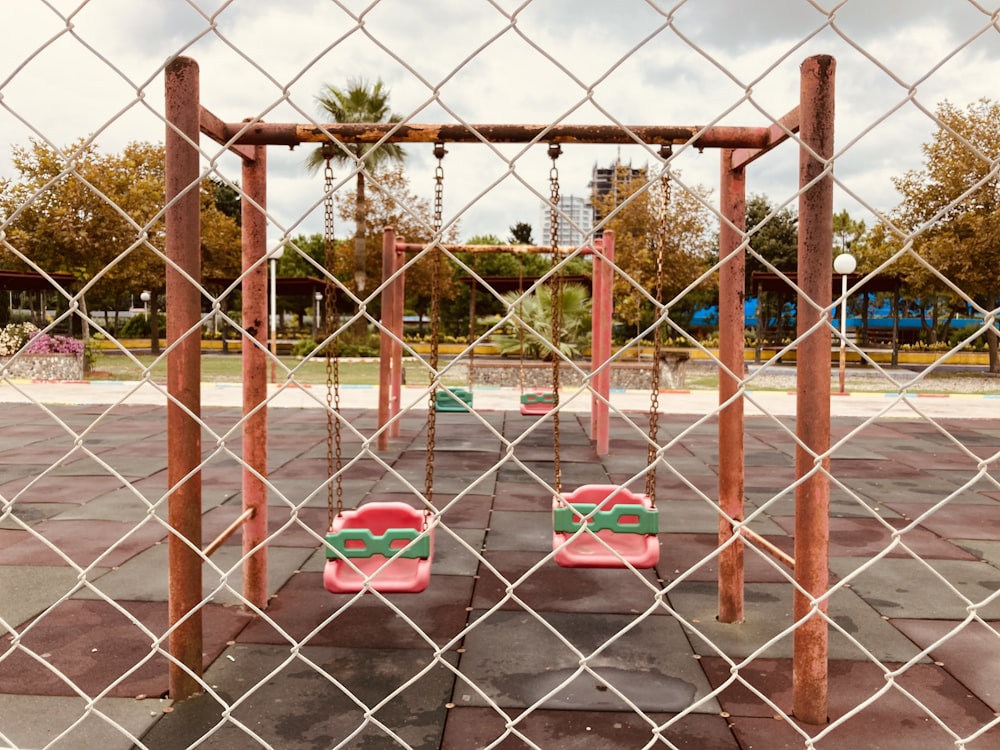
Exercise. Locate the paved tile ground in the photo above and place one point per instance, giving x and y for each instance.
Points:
(490, 654)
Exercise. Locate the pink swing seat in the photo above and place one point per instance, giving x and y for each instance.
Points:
(536, 404)
(383, 546)
(622, 528)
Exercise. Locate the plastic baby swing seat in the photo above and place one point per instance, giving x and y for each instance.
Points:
(537, 403)
(387, 541)
(453, 399)
(622, 527)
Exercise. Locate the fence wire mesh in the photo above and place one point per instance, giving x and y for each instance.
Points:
(504, 648)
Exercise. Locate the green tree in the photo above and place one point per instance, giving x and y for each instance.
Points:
(391, 202)
(774, 236)
(520, 234)
(847, 232)
(948, 223)
(99, 217)
(635, 214)
(359, 101)
(536, 311)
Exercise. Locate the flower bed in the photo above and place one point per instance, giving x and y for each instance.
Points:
(27, 352)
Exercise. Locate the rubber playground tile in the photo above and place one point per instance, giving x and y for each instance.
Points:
(893, 720)
(145, 576)
(294, 704)
(693, 557)
(302, 605)
(590, 730)
(526, 531)
(49, 488)
(30, 589)
(687, 516)
(982, 549)
(943, 457)
(909, 589)
(36, 721)
(969, 652)
(95, 647)
(552, 588)
(32, 514)
(954, 520)
(522, 497)
(107, 543)
(516, 661)
(868, 537)
(768, 615)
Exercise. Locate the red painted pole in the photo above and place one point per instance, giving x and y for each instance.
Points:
(812, 495)
(183, 248)
(600, 349)
(397, 348)
(732, 280)
(385, 340)
(255, 317)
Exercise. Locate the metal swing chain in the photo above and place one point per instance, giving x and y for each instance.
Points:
(334, 447)
(556, 303)
(439, 152)
(654, 398)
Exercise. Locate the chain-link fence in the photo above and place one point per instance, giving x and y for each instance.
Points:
(514, 472)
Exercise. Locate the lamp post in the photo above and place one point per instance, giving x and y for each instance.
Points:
(145, 296)
(274, 256)
(317, 298)
(844, 264)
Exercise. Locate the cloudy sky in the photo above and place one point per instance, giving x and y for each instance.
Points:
(72, 68)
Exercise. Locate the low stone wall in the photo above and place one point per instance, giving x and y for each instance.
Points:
(538, 375)
(43, 366)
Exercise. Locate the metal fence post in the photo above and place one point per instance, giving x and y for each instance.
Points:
(183, 249)
(603, 304)
(812, 494)
(255, 317)
(732, 279)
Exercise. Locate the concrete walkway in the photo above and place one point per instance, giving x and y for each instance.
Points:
(492, 648)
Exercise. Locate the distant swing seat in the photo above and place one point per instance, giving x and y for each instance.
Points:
(453, 399)
(619, 521)
(534, 404)
(384, 541)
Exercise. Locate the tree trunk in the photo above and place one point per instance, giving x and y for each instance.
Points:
(992, 341)
(360, 255)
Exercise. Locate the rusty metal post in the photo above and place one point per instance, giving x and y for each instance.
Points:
(385, 340)
(255, 317)
(732, 280)
(812, 495)
(395, 400)
(183, 248)
(600, 349)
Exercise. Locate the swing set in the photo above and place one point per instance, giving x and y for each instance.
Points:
(382, 545)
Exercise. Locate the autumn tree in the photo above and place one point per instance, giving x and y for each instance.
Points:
(948, 223)
(636, 214)
(99, 217)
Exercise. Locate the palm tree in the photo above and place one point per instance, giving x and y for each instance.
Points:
(359, 101)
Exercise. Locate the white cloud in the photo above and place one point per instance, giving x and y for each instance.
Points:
(635, 62)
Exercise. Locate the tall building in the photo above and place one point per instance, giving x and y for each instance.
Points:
(576, 220)
(602, 182)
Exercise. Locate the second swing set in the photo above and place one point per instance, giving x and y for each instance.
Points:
(388, 546)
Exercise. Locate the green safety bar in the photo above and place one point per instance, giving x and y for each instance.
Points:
(538, 398)
(647, 520)
(378, 544)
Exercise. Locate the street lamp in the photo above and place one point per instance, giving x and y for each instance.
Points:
(317, 297)
(274, 256)
(145, 297)
(844, 264)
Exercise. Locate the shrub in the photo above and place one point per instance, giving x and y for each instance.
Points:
(14, 336)
(43, 343)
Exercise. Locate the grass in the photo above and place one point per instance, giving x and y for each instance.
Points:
(222, 368)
